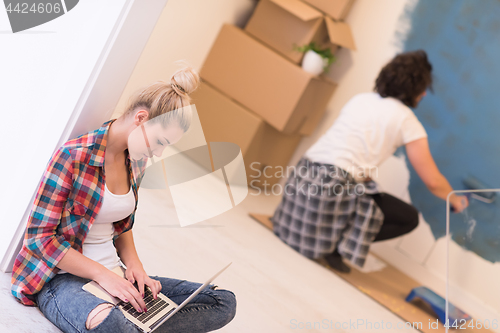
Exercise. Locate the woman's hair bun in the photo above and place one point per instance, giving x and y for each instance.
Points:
(185, 80)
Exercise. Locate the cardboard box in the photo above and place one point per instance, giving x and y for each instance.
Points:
(284, 24)
(224, 120)
(282, 93)
(337, 9)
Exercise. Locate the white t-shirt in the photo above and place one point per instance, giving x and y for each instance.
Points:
(98, 244)
(368, 130)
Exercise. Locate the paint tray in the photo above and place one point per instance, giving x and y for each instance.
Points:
(438, 305)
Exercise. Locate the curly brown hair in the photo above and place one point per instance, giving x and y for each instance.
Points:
(405, 77)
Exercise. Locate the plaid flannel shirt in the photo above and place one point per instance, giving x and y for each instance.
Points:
(68, 200)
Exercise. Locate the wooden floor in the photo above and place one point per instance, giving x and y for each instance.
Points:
(389, 287)
(277, 289)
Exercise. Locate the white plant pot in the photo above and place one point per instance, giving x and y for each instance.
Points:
(313, 63)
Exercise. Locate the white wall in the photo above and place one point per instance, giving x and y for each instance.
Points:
(474, 280)
(185, 30)
(44, 73)
(60, 80)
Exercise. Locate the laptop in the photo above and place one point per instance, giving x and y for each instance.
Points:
(159, 310)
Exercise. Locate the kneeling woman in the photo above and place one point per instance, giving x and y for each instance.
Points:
(331, 207)
(81, 224)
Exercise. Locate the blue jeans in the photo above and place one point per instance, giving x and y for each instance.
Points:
(63, 301)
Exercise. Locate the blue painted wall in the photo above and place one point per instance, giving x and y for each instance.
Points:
(462, 117)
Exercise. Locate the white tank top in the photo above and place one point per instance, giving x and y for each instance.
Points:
(98, 244)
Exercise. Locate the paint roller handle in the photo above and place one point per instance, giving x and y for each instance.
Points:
(459, 202)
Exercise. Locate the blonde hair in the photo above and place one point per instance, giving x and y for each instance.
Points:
(170, 98)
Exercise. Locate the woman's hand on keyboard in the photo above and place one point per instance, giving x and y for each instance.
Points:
(121, 288)
(135, 273)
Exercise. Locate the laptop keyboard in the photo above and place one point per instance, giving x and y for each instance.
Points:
(153, 305)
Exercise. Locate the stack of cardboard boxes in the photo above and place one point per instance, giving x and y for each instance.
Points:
(255, 94)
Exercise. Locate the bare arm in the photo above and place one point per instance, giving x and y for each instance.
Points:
(77, 264)
(421, 159)
(126, 249)
(135, 271)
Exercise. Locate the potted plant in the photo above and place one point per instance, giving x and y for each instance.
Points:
(316, 60)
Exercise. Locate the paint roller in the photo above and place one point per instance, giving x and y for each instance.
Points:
(477, 190)
(472, 183)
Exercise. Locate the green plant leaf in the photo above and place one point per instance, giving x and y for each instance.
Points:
(325, 53)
